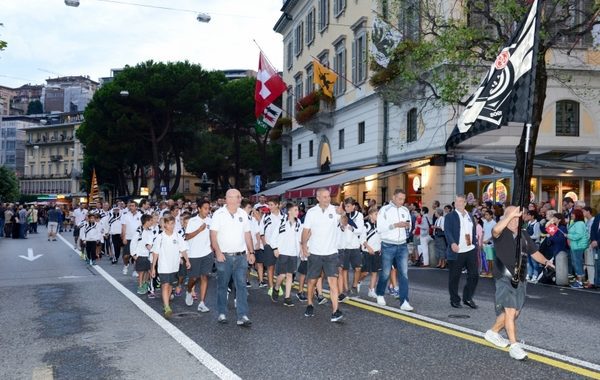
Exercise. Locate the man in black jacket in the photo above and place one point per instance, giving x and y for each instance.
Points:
(594, 240)
(459, 229)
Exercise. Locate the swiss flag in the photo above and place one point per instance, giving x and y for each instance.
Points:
(269, 86)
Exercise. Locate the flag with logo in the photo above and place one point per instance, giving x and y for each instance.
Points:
(268, 119)
(269, 86)
(94, 197)
(505, 94)
(324, 77)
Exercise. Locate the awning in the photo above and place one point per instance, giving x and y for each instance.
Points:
(333, 183)
(302, 181)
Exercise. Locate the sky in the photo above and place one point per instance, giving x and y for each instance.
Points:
(46, 38)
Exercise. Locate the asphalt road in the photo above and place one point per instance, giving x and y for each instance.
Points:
(58, 313)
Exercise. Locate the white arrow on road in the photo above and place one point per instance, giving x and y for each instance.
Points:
(30, 256)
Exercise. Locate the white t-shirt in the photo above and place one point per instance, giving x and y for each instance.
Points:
(199, 244)
(131, 223)
(255, 232)
(323, 226)
(169, 249)
(268, 224)
(80, 214)
(487, 230)
(466, 228)
(230, 229)
(146, 238)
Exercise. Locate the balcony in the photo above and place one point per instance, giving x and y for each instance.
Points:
(56, 158)
(315, 112)
(49, 141)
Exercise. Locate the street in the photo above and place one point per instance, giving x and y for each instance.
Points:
(63, 319)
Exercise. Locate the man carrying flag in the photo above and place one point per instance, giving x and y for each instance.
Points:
(324, 77)
(269, 87)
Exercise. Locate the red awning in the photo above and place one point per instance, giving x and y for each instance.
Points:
(310, 193)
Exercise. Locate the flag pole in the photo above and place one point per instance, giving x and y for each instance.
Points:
(263, 53)
(338, 74)
(515, 280)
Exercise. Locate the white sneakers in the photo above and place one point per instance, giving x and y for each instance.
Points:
(406, 306)
(202, 308)
(516, 352)
(189, 300)
(380, 301)
(372, 293)
(496, 339)
(125, 269)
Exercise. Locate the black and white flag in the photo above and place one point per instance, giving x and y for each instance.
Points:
(504, 94)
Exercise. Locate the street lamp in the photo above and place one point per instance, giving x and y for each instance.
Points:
(72, 3)
(203, 17)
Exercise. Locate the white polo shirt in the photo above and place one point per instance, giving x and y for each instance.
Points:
(80, 215)
(169, 249)
(230, 229)
(323, 226)
(131, 223)
(199, 244)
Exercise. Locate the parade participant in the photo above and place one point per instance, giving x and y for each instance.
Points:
(183, 273)
(114, 231)
(461, 235)
(351, 256)
(232, 244)
(104, 219)
(53, 216)
(255, 218)
(79, 216)
(167, 249)
(141, 252)
(130, 221)
(488, 243)
(91, 237)
(286, 246)
(269, 223)
(510, 300)
(394, 224)
(371, 245)
(320, 225)
(200, 254)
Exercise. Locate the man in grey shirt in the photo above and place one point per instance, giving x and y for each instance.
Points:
(22, 222)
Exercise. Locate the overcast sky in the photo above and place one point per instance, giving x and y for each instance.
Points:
(46, 38)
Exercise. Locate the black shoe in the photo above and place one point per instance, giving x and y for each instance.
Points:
(288, 302)
(262, 284)
(301, 297)
(248, 284)
(321, 300)
(310, 311)
(275, 295)
(341, 297)
(470, 304)
(456, 305)
(336, 316)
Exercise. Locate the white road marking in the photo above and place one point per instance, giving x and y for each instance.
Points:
(43, 373)
(30, 256)
(206, 359)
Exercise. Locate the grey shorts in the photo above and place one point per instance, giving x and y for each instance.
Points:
(259, 255)
(268, 256)
(286, 264)
(168, 278)
(142, 264)
(371, 263)
(201, 266)
(303, 267)
(350, 258)
(183, 272)
(318, 264)
(509, 297)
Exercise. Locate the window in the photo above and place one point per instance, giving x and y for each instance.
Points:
(289, 102)
(290, 157)
(310, 82)
(570, 16)
(299, 39)
(359, 57)
(341, 139)
(339, 65)
(310, 148)
(567, 118)
(361, 132)
(10, 145)
(310, 27)
(299, 87)
(42, 169)
(289, 55)
(324, 58)
(323, 14)
(410, 19)
(299, 151)
(338, 7)
(411, 125)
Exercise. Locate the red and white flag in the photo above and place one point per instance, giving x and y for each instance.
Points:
(269, 86)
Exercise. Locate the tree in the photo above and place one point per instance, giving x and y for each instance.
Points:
(35, 107)
(454, 50)
(9, 185)
(154, 105)
(3, 44)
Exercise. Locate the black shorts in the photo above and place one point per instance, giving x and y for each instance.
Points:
(76, 231)
(371, 263)
(127, 249)
(317, 264)
(201, 266)
(168, 278)
(268, 256)
(142, 264)
(183, 272)
(286, 264)
(259, 255)
(303, 267)
(508, 297)
(350, 258)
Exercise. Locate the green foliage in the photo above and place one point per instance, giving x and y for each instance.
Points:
(35, 107)
(3, 44)
(9, 185)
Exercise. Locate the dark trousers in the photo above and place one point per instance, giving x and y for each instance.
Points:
(90, 250)
(468, 260)
(116, 245)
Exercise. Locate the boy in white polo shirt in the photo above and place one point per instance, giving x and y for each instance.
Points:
(141, 252)
(167, 249)
(200, 254)
(286, 247)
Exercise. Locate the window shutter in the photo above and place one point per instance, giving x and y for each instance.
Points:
(355, 52)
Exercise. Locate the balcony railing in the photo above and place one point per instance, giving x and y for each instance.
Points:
(52, 140)
(56, 157)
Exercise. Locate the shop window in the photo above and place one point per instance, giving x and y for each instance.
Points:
(470, 170)
(567, 118)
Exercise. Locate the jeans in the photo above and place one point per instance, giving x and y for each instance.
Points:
(237, 267)
(23, 230)
(597, 266)
(2, 227)
(397, 253)
(577, 261)
(533, 268)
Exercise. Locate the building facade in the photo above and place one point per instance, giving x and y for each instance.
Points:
(68, 94)
(12, 142)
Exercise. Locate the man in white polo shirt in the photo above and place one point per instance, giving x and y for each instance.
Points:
(320, 233)
(130, 222)
(232, 243)
(79, 216)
